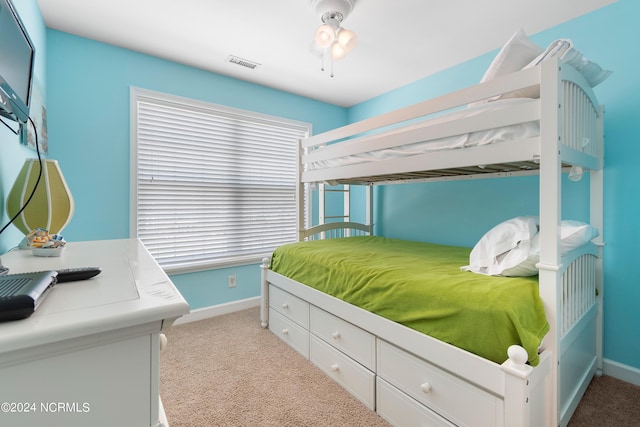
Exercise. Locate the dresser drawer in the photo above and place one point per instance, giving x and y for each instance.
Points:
(289, 332)
(442, 392)
(355, 342)
(359, 381)
(292, 307)
(401, 410)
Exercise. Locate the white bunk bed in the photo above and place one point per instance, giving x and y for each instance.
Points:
(411, 378)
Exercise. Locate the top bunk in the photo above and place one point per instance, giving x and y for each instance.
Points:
(546, 112)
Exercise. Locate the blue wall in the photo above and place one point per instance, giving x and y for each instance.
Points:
(12, 153)
(609, 36)
(89, 133)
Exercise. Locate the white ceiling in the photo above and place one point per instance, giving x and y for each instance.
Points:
(399, 41)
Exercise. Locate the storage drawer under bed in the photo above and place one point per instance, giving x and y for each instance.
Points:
(346, 337)
(358, 380)
(401, 410)
(290, 306)
(439, 390)
(289, 332)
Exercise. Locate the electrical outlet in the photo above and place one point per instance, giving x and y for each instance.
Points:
(232, 281)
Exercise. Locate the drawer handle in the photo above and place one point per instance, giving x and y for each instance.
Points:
(425, 387)
(285, 305)
(335, 367)
(335, 335)
(285, 331)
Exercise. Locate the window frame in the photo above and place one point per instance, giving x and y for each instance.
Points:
(138, 94)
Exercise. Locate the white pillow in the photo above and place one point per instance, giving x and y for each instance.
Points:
(556, 48)
(517, 52)
(504, 246)
(573, 234)
(527, 267)
(592, 72)
(521, 53)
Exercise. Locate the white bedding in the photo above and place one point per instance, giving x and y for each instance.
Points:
(512, 132)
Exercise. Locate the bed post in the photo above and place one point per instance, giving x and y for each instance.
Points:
(369, 209)
(300, 206)
(264, 301)
(596, 217)
(527, 402)
(550, 217)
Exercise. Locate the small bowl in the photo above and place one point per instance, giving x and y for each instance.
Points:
(47, 251)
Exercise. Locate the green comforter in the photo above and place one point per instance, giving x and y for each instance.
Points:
(420, 285)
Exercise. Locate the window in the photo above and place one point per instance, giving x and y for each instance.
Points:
(211, 185)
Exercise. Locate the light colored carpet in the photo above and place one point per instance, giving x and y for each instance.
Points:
(228, 371)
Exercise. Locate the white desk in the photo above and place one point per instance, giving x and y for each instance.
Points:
(90, 354)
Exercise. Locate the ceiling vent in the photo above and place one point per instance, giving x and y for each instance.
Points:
(242, 62)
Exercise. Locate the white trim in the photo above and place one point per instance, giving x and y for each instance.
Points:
(188, 156)
(622, 372)
(218, 310)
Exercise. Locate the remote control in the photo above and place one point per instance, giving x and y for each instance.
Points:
(79, 273)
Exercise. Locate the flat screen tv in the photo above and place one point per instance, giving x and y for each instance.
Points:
(17, 56)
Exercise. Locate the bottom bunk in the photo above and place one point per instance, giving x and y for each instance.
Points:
(411, 378)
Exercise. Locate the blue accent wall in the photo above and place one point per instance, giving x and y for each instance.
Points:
(461, 212)
(89, 135)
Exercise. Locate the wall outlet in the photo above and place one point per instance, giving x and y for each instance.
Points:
(232, 281)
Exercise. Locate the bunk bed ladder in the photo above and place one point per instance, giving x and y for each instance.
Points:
(324, 189)
(336, 226)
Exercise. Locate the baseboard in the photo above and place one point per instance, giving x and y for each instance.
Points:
(218, 310)
(622, 372)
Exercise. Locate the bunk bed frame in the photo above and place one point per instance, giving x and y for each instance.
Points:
(411, 378)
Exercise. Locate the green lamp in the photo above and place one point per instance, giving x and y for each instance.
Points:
(51, 207)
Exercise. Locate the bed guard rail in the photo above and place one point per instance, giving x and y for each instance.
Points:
(335, 230)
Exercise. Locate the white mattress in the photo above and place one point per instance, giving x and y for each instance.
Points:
(507, 133)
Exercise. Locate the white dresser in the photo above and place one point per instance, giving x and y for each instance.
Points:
(90, 354)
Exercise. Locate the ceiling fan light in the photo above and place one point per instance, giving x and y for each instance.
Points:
(338, 51)
(347, 39)
(325, 36)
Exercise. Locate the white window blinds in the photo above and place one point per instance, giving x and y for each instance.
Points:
(213, 185)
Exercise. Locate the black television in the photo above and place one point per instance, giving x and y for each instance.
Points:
(17, 56)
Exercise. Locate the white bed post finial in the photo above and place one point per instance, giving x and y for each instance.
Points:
(516, 364)
(521, 402)
(516, 387)
(264, 303)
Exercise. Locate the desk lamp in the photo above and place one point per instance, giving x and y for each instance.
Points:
(51, 207)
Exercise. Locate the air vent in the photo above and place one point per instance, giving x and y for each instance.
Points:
(243, 62)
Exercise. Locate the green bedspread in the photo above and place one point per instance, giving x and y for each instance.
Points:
(420, 285)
